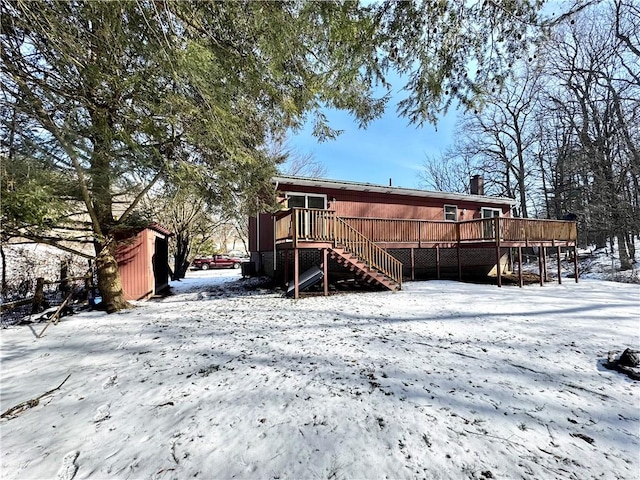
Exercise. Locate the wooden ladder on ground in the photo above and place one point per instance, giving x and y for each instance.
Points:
(359, 254)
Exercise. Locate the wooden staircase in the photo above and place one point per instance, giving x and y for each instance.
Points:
(359, 254)
(347, 245)
(362, 269)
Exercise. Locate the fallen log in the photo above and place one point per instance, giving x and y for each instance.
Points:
(628, 363)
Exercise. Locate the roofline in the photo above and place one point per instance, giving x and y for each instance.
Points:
(370, 187)
(160, 229)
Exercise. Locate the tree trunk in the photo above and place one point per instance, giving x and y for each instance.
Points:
(4, 273)
(183, 248)
(625, 261)
(632, 247)
(109, 281)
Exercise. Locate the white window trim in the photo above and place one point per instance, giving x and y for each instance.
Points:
(444, 209)
(306, 197)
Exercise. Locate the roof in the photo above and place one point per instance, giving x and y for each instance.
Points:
(370, 187)
(160, 229)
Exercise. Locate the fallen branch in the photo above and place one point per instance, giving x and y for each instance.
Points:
(19, 408)
(17, 303)
(55, 317)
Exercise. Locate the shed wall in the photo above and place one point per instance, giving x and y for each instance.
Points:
(135, 261)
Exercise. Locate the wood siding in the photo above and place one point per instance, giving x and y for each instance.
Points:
(352, 205)
(134, 261)
(135, 256)
(379, 205)
(261, 233)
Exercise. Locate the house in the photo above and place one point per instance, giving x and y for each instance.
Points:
(384, 234)
(143, 261)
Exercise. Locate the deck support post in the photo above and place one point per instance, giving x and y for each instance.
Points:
(286, 267)
(325, 272)
(498, 265)
(296, 274)
(438, 262)
(540, 265)
(458, 252)
(559, 265)
(520, 277)
(575, 262)
(413, 264)
(544, 264)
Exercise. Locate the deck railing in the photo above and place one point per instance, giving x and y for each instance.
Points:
(384, 230)
(533, 230)
(304, 224)
(320, 225)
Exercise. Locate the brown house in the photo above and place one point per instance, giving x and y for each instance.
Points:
(384, 234)
(143, 261)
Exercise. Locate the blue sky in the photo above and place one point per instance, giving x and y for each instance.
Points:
(388, 148)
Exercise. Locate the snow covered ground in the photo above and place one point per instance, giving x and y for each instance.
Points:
(440, 380)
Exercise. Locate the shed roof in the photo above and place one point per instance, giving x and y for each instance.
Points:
(160, 229)
(370, 187)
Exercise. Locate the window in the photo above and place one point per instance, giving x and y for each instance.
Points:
(315, 202)
(296, 201)
(451, 213)
(490, 212)
(304, 200)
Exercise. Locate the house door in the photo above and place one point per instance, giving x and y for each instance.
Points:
(489, 232)
(306, 220)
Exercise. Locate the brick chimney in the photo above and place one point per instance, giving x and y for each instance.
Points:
(477, 185)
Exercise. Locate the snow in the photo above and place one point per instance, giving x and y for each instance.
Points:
(225, 379)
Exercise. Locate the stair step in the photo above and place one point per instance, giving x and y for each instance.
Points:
(357, 265)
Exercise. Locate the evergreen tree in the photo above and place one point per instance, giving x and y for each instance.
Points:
(113, 96)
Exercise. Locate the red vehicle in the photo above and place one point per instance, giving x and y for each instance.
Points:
(217, 261)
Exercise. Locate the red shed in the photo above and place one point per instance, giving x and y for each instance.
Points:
(143, 260)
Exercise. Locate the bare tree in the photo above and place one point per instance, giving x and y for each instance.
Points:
(293, 162)
(500, 142)
(593, 93)
(449, 172)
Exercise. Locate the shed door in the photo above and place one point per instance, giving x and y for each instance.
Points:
(161, 265)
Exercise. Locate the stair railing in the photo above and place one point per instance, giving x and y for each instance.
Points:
(357, 244)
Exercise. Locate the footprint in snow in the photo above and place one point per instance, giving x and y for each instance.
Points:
(102, 413)
(69, 468)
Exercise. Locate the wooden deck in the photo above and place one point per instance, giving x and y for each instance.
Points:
(300, 226)
(366, 240)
